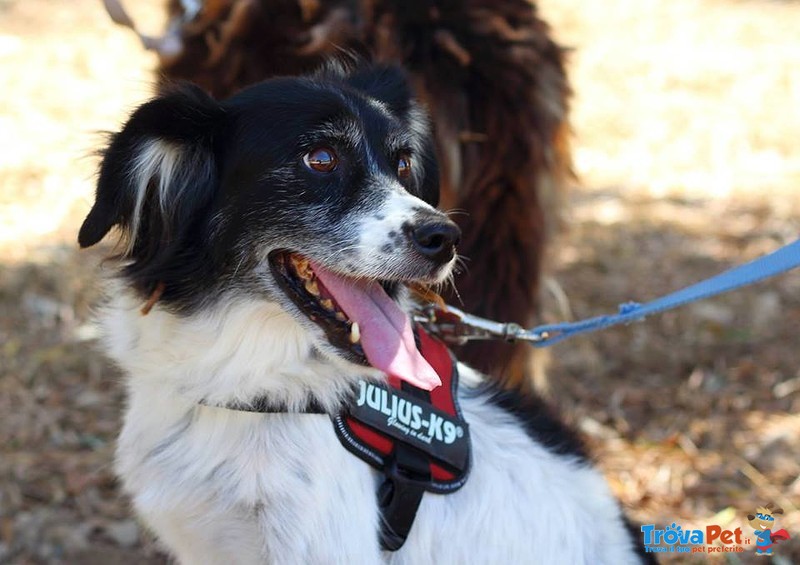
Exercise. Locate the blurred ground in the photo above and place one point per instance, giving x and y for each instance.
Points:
(686, 118)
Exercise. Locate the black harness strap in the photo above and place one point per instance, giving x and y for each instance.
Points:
(264, 405)
(399, 496)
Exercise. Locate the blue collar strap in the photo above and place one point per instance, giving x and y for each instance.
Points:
(456, 326)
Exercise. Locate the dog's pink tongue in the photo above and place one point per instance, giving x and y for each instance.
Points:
(386, 332)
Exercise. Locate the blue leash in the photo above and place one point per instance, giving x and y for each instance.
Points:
(775, 263)
(456, 326)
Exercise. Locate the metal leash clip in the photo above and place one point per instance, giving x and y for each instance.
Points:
(457, 327)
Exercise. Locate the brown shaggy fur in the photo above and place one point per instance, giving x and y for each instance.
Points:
(495, 84)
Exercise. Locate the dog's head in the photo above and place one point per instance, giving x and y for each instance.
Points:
(317, 193)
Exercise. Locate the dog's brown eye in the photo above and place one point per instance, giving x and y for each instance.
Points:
(403, 166)
(321, 159)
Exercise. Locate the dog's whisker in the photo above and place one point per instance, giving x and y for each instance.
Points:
(456, 212)
(334, 255)
(239, 264)
(461, 265)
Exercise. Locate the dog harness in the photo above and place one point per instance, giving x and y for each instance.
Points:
(417, 439)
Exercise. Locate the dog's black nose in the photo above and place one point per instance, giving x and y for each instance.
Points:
(435, 239)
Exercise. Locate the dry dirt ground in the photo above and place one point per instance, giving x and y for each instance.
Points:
(686, 119)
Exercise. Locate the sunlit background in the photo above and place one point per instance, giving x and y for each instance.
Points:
(686, 118)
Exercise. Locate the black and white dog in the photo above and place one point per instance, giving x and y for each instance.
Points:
(273, 238)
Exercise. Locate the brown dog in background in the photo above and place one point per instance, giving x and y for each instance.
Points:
(495, 86)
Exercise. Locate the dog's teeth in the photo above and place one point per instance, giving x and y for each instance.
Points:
(312, 287)
(340, 316)
(327, 303)
(302, 267)
(355, 333)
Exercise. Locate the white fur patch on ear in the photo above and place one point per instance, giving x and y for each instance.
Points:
(166, 168)
(156, 161)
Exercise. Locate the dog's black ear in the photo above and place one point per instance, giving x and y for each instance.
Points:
(157, 171)
(386, 83)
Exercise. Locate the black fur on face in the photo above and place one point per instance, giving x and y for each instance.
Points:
(203, 191)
